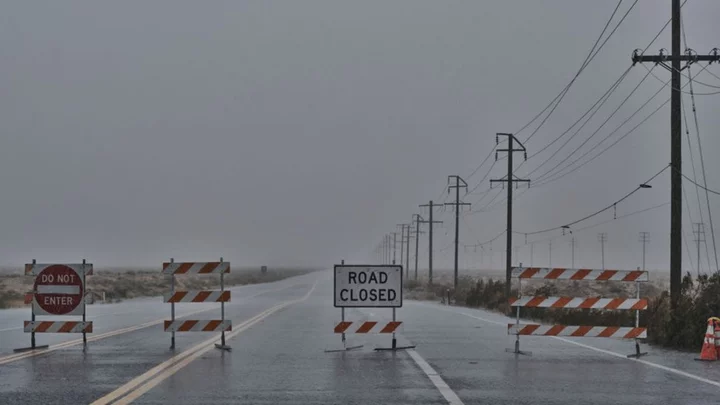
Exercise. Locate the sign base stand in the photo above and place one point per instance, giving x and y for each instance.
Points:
(223, 347)
(394, 347)
(345, 349)
(517, 350)
(27, 349)
(637, 353)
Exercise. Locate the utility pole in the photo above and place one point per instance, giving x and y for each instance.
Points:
(550, 248)
(457, 203)
(532, 252)
(644, 239)
(385, 249)
(602, 237)
(572, 244)
(394, 247)
(402, 242)
(699, 232)
(675, 58)
(407, 253)
(418, 218)
(430, 223)
(509, 179)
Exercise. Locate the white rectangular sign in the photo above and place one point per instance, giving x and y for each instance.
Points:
(366, 286)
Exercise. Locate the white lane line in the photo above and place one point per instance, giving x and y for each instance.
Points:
(439, 383)
(647, 363)
(597, 349)
(150, 379)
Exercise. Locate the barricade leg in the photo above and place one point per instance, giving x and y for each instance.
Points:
(394, 346)
(345, 347)
(517, 350)
(84, 308)
(637, 353)
(222, 345)
(33, 346)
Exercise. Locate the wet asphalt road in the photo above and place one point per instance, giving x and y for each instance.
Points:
(280, 359)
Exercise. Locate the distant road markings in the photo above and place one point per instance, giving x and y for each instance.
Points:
(597, 349)
(19, 356)
(439, 383)
(138, 386)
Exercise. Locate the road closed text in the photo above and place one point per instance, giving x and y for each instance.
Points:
(368, 286)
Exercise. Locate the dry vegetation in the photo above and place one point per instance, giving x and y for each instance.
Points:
(119, 285)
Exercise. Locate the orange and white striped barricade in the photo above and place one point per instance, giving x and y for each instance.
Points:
(368, 286)
(58, 290)
(221, 325)
(636, 304)
(367, 327)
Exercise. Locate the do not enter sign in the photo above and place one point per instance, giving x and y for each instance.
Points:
(59, 290)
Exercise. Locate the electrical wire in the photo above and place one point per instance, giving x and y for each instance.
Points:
(613, 205)
(702, 159)
(600, 101)
(699, 185)
(484, 177)
(591, 55)
(591, 135)
(550, 180)
(632, 130)
(640, 211)
(682, 91)
(687, 209)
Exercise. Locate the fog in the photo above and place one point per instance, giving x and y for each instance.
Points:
(301, 132)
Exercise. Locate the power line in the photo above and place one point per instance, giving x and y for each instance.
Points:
(628, 133)
(591, 55)
(485, 176)
(601, 101)
(548, 174)
(685, 92)
(591, 135)
(702, 159)
(613, 205)
(698, 185)
(550, 180)
(640, 211)
(544, 177)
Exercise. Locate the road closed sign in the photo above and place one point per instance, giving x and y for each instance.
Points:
(58, 290)
(365, 286)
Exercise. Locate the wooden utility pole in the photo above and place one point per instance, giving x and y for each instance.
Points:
(675, 58)
(457, 203)
(418, 219)
(430, 223)
(509, 179)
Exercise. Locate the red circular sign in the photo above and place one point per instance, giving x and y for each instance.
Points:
(58, 289)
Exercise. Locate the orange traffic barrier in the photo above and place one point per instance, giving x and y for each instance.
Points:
(708, 352)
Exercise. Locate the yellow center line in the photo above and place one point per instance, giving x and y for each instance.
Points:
(150, 379)
(19, 356)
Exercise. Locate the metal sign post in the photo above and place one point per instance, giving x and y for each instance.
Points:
(84, 307)
(637, 353)
(172, 307)
(342, 321)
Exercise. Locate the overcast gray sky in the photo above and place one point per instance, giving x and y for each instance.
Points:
(300, 132)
